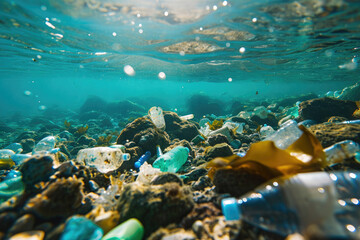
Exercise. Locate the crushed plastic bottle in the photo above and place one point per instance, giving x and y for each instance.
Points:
(328, 202)
(341, 150)
(131, 229)
(287, 134)
(172, 160)
(45, 145)
(81, 228)
(105, 159)
(142, 159)
(157, 117)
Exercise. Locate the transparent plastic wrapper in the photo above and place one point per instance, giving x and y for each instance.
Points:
(147, 173)
(45, 145)
(341, 150)
(105, 159)
(327, 202)
(157, 117)
(287, 134)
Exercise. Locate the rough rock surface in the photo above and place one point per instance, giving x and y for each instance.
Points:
(144, 133)
(219, 150)
(217, 138)
(177, 128)
(329, 134)
(155, 205)
(321, 109)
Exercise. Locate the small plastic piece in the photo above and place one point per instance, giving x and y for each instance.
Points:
(261, 112)
(45, 145)
(327, 201)
(118, 146)
(172, 160)
(16, 147)
(81, 228)
(142, 159)
(158, 151)
(196, 140)
(341, 150)
(187, 117)
(287, 134)
(266, 131)
(157, 117)
(20, 158)
(131, 229)
(105, 159)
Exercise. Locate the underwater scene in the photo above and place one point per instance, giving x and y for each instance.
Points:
(179, 119)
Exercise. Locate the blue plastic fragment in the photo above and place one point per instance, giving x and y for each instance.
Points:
(81, 228)
(142, 159)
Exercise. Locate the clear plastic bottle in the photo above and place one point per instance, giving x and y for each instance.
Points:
(157, 117)
(342, 150)
(172, 160)
(286, 135)
(326, 204)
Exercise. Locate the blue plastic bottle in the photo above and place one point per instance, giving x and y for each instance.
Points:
(142, 159)
(327, 202)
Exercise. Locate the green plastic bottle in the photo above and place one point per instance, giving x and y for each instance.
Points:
(172, 160)
(131, 229)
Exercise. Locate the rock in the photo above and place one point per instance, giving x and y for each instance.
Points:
(329, 134)
(86, 140)
(90, 115)
(191, 47)
(7, 219)
(336, 119)
(216, 139)
(5, 128)
(219, 150)
(61, 198)
(26, 135)
(124, 108)
(290, 101)
(35, 170)
(194, 175)
(135, 153)
(177, 128)
(202, 183)
(160, 204)
(144, 133)
(30, 235)
(93, 103)
(27, 145)
(321, 109)
(22, 224)
(173, 234)
(166, 178)
(351, 93)
(269, 120)
(200, 212)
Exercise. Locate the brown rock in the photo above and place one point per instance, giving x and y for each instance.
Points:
(217, 138)
(22, 224)
(200, 212)
(145, 134)
(329, 134)
(155, 205)
(61, 198)
(321, 109)
(219, 150)
(177, 128)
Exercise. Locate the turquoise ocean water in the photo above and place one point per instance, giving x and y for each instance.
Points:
(57, 53)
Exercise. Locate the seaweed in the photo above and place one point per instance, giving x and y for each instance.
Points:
(104, 140)
(81, 130)
(216, 124)
(67, 124)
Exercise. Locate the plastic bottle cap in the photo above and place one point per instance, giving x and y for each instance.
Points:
(230, 209)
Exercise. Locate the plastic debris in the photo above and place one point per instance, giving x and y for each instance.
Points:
(10, 187)
(287, 134)
(204, 122)
(107, 197)
(187, 117)
(142, 159)
(158, 151)
(118, 146)
(286, 205)
(157, 117)
(197, 139)
(131, 229)
(45, 145)
(147, 173)
(20, 158)
(105, 159)
(341, 150)
(172, 160)
(261, 112)
(5, 159)
(81, 228)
